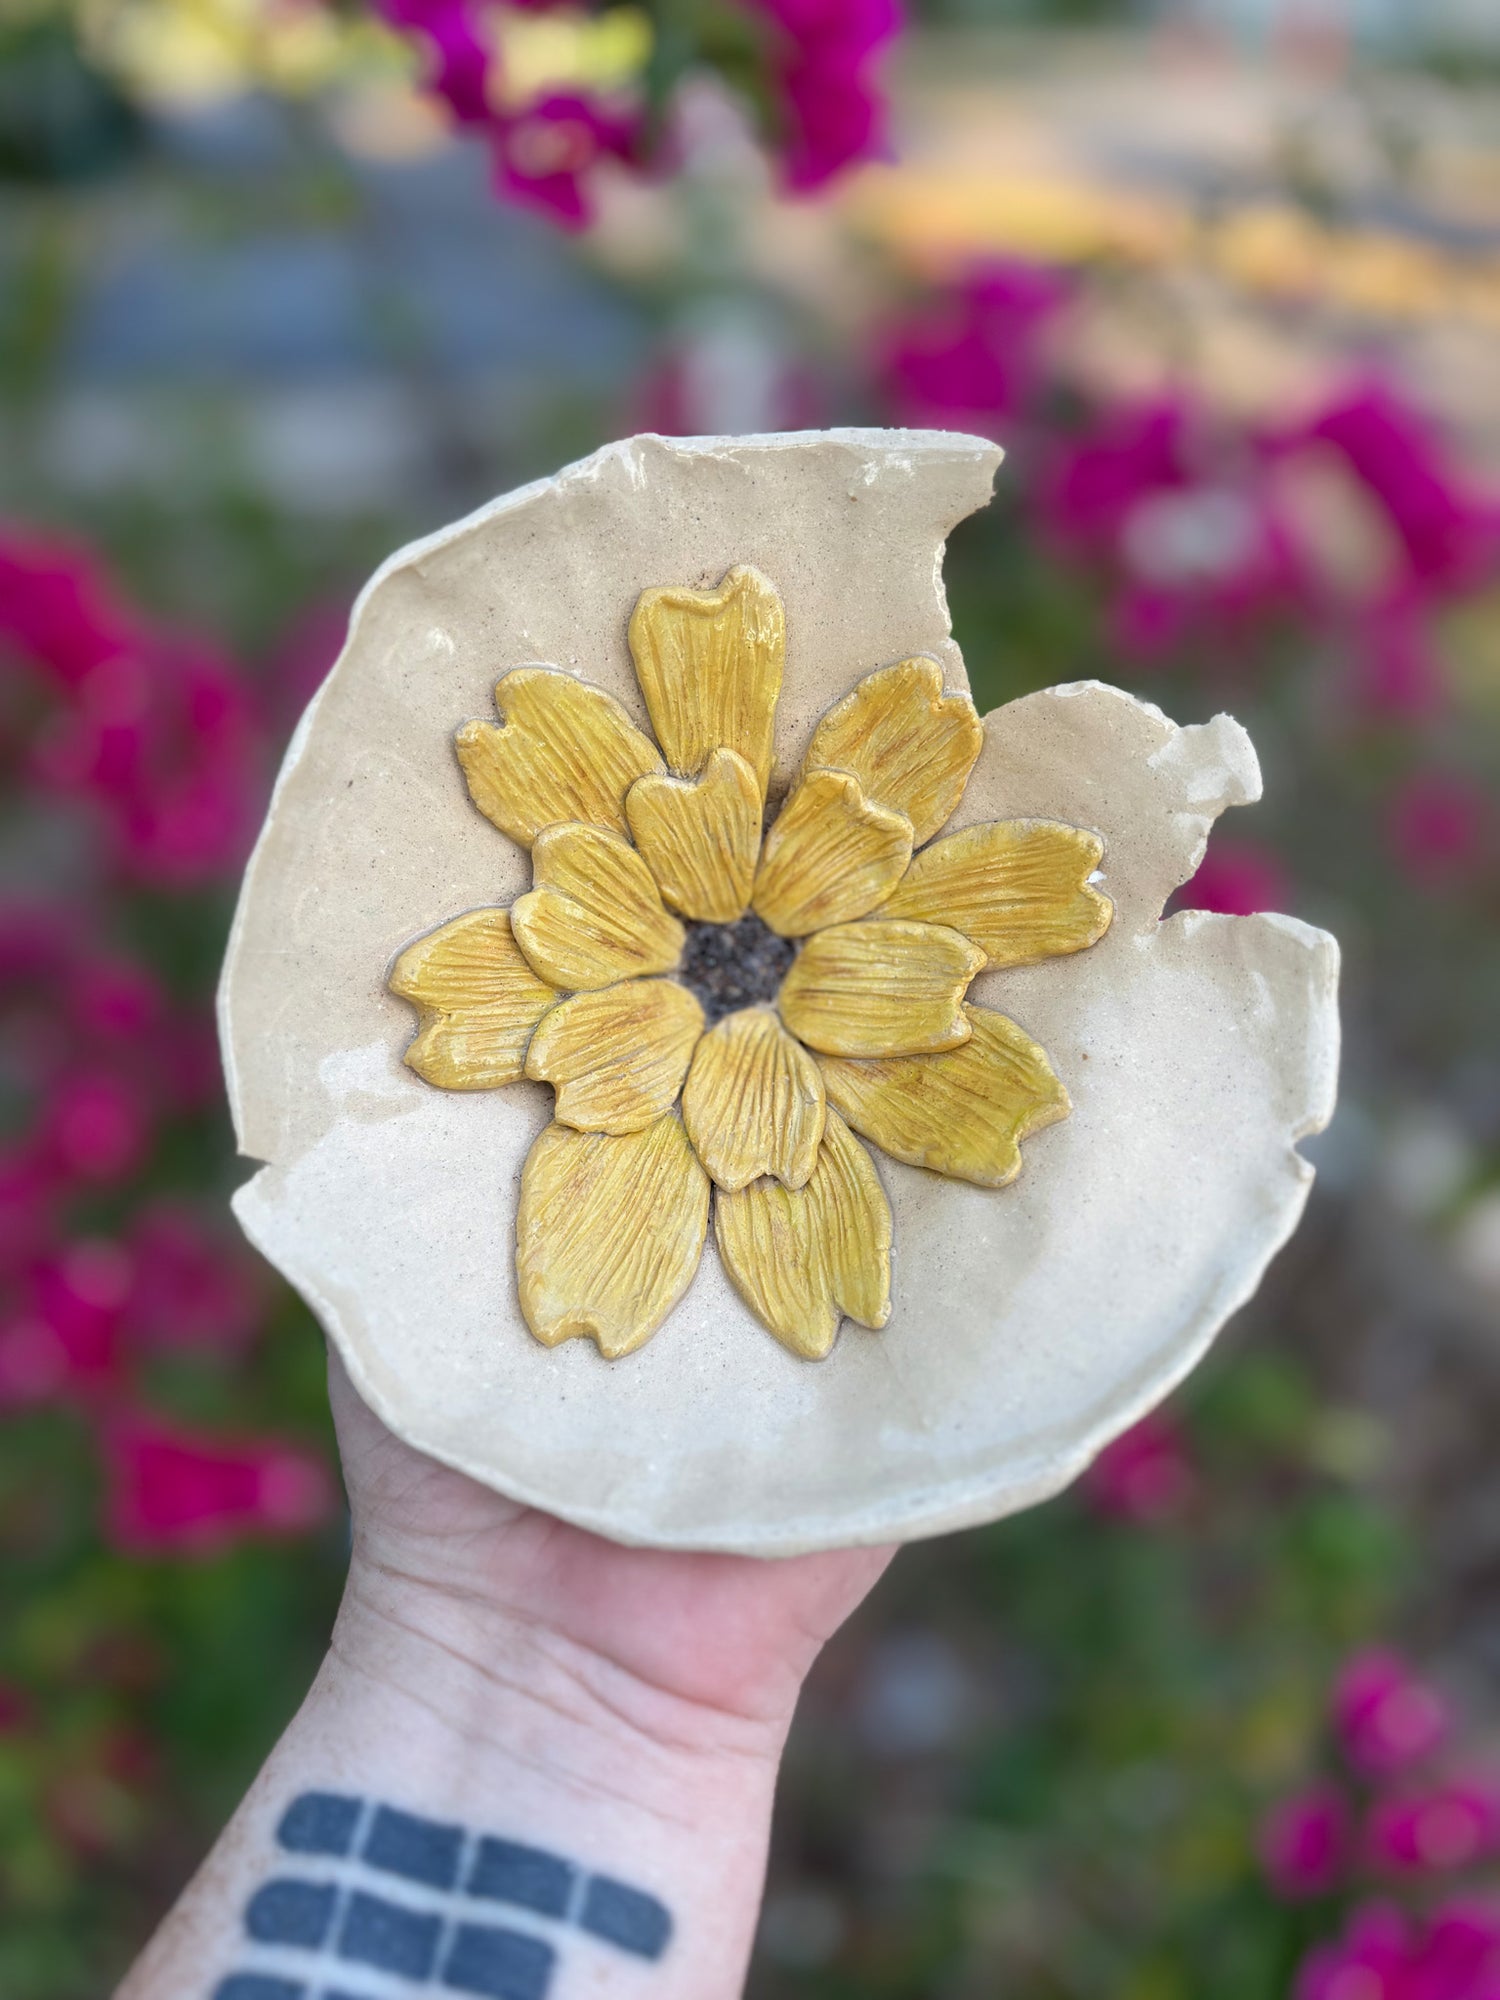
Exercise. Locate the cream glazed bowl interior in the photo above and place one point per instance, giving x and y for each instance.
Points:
(1028, 1324)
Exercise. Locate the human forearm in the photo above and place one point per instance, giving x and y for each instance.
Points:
(523, 1818)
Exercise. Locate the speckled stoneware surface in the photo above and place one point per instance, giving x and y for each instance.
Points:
(1030, 1324)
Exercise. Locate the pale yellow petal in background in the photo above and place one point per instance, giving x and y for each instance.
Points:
(910, 745)
(801, 1259)
(831, 855)
(700, 836)
(710, 663)
(879, 988)
(963, 1114)
(617, 1058)
(566, 751)
(608, 1233)
(594, 916)
(753, 1101)
(1018, 888)
(478, 1001)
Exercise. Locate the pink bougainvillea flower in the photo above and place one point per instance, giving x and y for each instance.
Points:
(193, 1286)
(1437, 1830)
(110, 998)
(547, 154)
(1305, 1842)
(80, 1295)
(1184, 520)
(1373, 1960)
(96, 1125)
(64, 1335)
(175, 1492)
(826, 60)
(1398, 673)
(56, 609)
(460, 58)
(971, 358)
(159, 738)
(30, 1195)
(1459, 1955)
(1386, 1719)
(1439, 824)
(1448, 530)
(167, 746)
(1237, 878)
(1143, 1475)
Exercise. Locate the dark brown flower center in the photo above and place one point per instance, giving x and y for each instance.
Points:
(728, 966)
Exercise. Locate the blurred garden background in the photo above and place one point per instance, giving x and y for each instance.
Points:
(285, 283)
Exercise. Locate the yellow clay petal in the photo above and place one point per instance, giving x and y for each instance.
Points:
(700, 836)
(594, 916)
(801, 1259)
(617, 1058)
(963, 1114)
(608, 1233)
(753, 1101)
(709, 663)
(1017, 887)
(911, 746)
(566, 751)
(880, 988)
(477, 999)
(831, 855)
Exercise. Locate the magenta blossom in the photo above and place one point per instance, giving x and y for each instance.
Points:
(1443, 1828)
(1237, 878)
(460, 58)
(157, 738)
(826, 61)
(1448, 532)
(1305, 1842)
(1439, 824)
(96, 1125)
(1398, 673)
(1371, 1961)
(193, 1286)
(547, 154)
(1387, 1955)
(1459, 1955)
(1144, 1475)
(971, 358)
(1386, 1719)
(172, 1492)
(1185, 522)
(56, 608)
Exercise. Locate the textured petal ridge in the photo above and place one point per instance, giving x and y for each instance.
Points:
(963, 1114)
(831, 855)
(700, 836)
(911, 746)
(802, 1259)
(880, 988)
(617, 1057)
(562, 751)
(609, 1233)
(594, 916)
(477, 1000)
(753, 1102)
(710, 664)
(1019, 888)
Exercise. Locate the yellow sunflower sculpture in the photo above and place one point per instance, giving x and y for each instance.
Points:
(720, 1006)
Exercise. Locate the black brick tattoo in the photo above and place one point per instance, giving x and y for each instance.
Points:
(406, 1896)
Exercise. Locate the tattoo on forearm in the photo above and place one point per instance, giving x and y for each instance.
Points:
(376, 1888)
